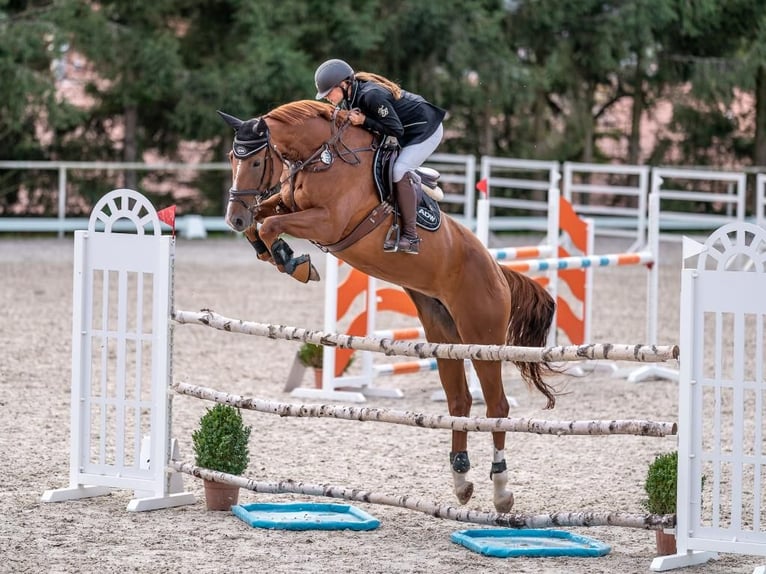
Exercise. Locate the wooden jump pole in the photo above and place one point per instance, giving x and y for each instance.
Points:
(605, 351)
(537, 426)
(503, 520)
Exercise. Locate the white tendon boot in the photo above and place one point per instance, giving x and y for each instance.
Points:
(463, 488)
(503, 498)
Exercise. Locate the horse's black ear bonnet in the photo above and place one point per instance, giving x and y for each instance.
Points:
(251, 137)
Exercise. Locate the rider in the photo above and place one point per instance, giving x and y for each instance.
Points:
(379, 105)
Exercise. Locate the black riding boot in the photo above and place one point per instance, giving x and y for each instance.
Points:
(407, 198)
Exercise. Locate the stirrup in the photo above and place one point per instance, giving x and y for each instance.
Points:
(391, 243)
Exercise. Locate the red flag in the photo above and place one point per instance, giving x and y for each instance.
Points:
(481, 185)
(168, 215)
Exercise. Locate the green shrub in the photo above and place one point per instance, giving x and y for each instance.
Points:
(661, 484)
(220, 443)
(311, 355)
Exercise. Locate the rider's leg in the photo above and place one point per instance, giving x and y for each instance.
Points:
(410, 158)
(406, 198)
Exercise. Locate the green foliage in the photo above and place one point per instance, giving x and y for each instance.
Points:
(661, 484)
(311, 355)
(220, 443)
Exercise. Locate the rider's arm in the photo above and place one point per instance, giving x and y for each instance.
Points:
(380, 114)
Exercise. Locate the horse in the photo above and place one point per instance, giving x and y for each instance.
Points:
(303, 170)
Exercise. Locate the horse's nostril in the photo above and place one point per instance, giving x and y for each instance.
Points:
(239, 223)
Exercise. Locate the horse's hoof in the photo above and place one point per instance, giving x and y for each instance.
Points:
(505, 503)
(464, 492)
(301, 269)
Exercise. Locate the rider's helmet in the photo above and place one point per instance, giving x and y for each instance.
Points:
(329, 74)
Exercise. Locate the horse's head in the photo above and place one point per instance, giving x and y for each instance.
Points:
(255, 170)
(305, 156)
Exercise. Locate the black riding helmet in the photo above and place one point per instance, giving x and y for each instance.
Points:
(329, 74)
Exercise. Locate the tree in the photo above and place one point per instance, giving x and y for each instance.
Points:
(710, 58)
(134, 51)
(29, 107)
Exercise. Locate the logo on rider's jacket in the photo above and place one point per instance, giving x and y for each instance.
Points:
(382, 111)
(426, 214)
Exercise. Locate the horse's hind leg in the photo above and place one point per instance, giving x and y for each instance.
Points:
(440, 328)
(452, 375)
(490, 375)
(482, 323)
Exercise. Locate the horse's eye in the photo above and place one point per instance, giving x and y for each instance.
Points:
(256, 163)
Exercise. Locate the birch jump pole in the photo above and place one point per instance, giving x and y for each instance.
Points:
(598, 351)
(503, 520)
(480, 424)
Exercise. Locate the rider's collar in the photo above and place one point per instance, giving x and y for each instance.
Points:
(351, 94)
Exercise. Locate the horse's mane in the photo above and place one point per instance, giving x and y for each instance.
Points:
(296, 112)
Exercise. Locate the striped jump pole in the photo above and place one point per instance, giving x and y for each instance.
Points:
(407, 334)
(526, 252)
(404, 368)
(582, 262)
(421, 366)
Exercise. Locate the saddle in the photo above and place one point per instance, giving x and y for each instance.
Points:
(429, 215)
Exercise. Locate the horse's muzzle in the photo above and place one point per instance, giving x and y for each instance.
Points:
(237, 217)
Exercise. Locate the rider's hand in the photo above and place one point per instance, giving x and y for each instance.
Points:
(356, 117)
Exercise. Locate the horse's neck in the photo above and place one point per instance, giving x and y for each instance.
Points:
(299, 141)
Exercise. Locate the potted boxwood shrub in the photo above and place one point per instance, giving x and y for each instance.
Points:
(220, 443)
(312, 355)
(661, 488)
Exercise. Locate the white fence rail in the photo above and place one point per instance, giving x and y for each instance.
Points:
(516, 186)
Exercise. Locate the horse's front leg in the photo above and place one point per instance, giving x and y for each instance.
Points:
(272, 206)
(299, 268)
(262, 252)
(309, 224)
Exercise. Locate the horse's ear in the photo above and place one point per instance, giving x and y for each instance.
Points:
(231, 120)
(261, 128)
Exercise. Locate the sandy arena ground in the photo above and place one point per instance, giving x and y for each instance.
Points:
(547, 473)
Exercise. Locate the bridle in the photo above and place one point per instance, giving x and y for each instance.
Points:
(320, 160)
(245, 149)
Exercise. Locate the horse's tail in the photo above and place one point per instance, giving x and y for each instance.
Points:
(532, 310)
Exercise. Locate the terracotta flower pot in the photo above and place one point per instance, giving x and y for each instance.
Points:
(219, 496)
(666, 543)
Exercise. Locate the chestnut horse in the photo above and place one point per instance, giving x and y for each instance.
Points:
(304, 170)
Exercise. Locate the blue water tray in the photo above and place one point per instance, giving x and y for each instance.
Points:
(305, 516)
(507, 542)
